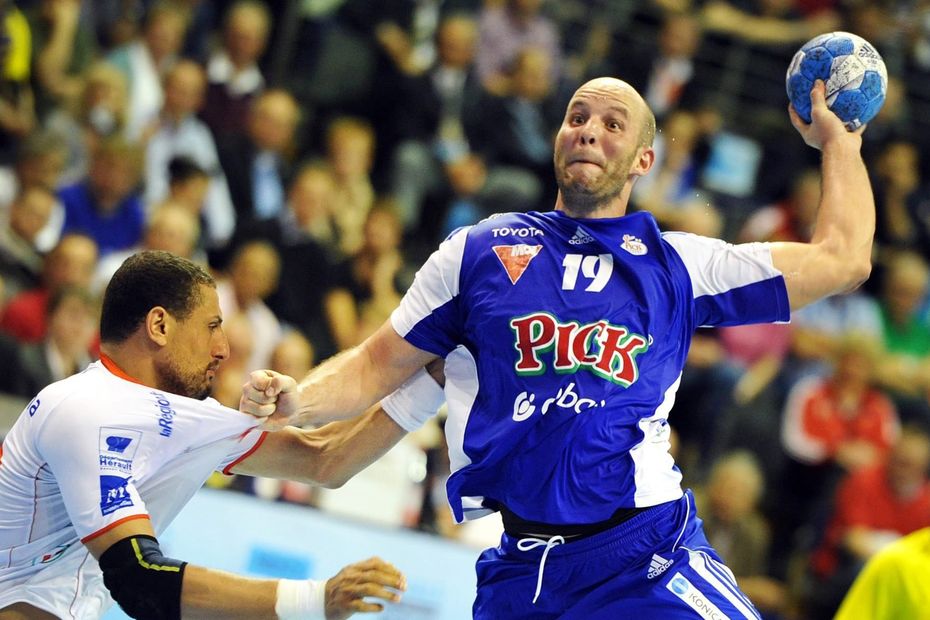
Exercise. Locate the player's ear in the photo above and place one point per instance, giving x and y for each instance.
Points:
(157, 324)
(644, 161)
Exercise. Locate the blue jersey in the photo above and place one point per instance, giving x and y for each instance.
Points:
(564, 342)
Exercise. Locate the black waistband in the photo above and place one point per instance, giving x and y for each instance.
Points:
(521, 528)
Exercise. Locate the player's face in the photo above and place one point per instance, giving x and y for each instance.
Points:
(198, 345)
(599, 146)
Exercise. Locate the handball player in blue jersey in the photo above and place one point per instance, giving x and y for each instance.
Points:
(564, 335)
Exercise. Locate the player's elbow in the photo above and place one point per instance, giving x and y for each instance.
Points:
(856, 273)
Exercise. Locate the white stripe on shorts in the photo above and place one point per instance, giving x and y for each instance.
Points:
(698, 562)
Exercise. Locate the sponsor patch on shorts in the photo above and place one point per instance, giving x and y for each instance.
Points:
(694, 598)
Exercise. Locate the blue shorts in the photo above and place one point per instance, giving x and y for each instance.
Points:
(659, 563)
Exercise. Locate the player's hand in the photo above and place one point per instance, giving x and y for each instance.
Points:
(374, 578)
(270, 395)
(825, 126)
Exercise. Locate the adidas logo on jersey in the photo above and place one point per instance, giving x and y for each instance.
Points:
(581, 237)
(658, 565)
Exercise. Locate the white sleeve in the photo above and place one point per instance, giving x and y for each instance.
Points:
(414, 402)
(92, 465)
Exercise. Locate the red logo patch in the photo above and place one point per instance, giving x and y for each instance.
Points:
(516, 258)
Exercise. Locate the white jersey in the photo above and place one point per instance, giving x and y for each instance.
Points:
(93, 451)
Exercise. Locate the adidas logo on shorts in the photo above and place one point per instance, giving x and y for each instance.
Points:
(581, 237)
(658, 565)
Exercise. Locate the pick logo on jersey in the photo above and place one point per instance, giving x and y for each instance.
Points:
(609, 351)
(114, 494)
(516, 258)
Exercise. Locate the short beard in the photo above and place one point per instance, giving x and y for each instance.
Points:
(582, 201)
(172, 379)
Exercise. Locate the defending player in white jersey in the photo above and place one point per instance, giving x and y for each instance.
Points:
(564, 336)
(100, 463)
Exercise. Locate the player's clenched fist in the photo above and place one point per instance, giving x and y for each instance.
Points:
(269, 395)
(372, 578)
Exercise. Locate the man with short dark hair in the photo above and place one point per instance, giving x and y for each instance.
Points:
(108, 458)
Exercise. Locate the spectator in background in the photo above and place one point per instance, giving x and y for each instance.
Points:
(901, 200)
(20, 259)
(664, 72)
(17, 108)
(791, 219)
(308, 252)
(874, 507)
(350, 152)
(146, 59)
(734, 525)
(818, 330)
(363, 292)
(63, 48)
(67, 347)
(188, 184)
(252, 276)
(516, 129)
(905, 367)
(257, 162)
(428, 122)
(179, 133)
(71, 262)
(311, 203)
(106, 205)
(293, 355)
(766, 23)
(840, 423)
(233, 75)
(171, 228)
(432, 113)
(98, 112)
(507, 27)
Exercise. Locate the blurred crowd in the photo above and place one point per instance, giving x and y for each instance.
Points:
(312, 153)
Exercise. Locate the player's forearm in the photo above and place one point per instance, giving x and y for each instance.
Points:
(344, 386)
(208, 593)
(845, 223)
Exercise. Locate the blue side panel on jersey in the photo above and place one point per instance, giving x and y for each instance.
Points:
(745, 304)
(433, 333)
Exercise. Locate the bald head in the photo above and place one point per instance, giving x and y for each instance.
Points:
(608, 87)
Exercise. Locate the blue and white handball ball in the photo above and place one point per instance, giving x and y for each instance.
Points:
(851, 68)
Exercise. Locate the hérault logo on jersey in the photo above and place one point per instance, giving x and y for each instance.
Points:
(606, 350)
(114, 494)
(117, 448)
(516, 258)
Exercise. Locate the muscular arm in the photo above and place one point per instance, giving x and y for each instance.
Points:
(340, 388)
(208, 593)
(205, 593)
(838, 258)
(327, 456)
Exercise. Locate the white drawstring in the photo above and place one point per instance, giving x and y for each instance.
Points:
(526, 544)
